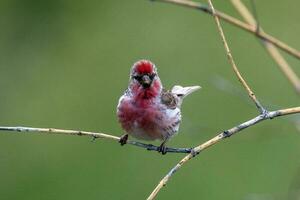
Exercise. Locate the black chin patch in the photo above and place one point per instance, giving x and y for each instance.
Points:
(146, 85)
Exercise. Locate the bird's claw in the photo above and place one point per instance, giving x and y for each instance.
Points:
(162, 149)
(123, 139)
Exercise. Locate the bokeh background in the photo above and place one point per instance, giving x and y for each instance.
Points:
(65, 63)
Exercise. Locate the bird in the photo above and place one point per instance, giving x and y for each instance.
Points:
(147, 111)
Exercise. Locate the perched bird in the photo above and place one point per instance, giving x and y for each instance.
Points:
(146, 111)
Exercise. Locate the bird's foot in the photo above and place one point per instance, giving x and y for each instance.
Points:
(162, 149)
(123, 139)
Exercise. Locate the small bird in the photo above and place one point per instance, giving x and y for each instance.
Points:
(146, 111)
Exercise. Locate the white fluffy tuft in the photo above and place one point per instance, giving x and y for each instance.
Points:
(184, 91)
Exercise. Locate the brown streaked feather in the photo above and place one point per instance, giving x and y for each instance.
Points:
(169, 99)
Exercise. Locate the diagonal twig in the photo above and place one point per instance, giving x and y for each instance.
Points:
(94, 135)
(230, 59)
(225, 134)
(271, 49)
(237, 23)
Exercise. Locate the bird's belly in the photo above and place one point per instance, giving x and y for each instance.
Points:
(150, 123)
(146, 126)
(143, 133)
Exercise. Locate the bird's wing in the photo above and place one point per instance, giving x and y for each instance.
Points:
(169, 99)
(173, 99)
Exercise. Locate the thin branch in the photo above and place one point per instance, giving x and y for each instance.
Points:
(225, 134)
(237, 23)
(271, 49)
(230, 59)
(253, 6)
(94, 135)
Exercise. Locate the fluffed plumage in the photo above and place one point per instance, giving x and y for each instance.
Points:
(147, 111)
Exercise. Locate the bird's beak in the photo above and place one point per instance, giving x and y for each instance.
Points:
(146, 81)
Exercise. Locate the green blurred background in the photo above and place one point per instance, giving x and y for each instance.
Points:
(65, 63)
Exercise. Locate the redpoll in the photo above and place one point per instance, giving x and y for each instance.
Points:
(147, 111)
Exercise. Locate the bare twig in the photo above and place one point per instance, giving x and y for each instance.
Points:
(218, 138)
(94, 135)
(237, 23)
(274, 53)
(230, 58)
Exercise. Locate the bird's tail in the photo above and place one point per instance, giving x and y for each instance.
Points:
(182, 92)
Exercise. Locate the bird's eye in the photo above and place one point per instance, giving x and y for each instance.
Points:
(138, 78)
(151, 76)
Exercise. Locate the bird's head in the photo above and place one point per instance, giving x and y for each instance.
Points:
(143, 77)
(143, 73)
